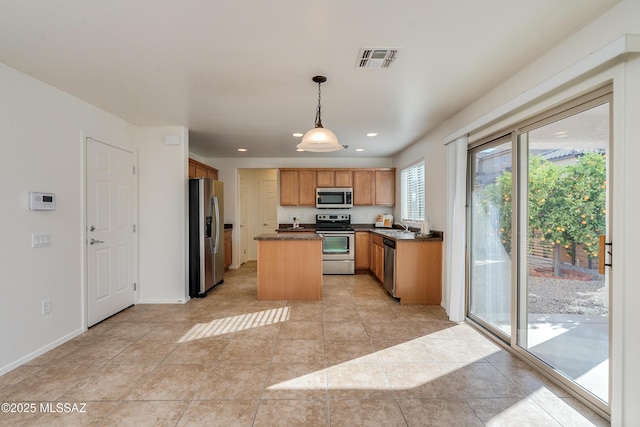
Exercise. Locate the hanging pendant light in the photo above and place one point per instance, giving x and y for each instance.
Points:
(319, 139)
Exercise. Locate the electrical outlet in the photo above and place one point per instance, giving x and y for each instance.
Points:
(46, 307)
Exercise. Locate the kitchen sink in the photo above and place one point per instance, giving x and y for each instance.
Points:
(396, 232)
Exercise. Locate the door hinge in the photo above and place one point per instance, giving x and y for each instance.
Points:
(135, 286)
(134, 228)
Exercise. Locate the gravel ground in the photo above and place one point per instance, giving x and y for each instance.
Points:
(557, 295)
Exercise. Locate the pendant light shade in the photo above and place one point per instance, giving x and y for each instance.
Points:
(319, 139)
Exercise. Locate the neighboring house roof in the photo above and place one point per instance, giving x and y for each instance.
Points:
(562, 153)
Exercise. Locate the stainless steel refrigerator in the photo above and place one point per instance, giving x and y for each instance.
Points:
(206, 235)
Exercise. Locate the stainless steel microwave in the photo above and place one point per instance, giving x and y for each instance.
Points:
(334, 198)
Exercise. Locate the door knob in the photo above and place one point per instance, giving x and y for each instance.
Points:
(94, 241)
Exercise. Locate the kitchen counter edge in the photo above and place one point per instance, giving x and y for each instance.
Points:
(289, 236)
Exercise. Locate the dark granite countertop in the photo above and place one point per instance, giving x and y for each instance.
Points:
(228, 226)
(400, 235)
(302, 228)
(289, 236)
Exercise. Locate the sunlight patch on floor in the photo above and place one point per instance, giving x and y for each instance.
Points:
(231, 324)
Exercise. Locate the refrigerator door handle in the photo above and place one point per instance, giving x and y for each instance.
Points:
(216, 226)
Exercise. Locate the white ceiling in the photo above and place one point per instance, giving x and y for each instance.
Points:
(238, 73)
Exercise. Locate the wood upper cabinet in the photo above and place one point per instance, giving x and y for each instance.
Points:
(325, 178)
(363, 190)
(362, 250)
(297, 187)
(200, 170)
(374, 187)
(307, 188)
(288, 187)
(385, 187)
(334, 178)
(344, 178)
(371, 187)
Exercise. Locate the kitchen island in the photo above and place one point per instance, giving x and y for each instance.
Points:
(289, 267)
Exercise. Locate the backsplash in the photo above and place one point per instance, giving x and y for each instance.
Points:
(307, 215)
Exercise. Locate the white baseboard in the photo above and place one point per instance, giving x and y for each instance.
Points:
(29, 357)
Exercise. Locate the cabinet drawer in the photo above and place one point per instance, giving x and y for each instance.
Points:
(376, 240)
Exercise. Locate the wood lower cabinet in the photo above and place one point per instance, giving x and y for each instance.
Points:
(228, 249)
(200, 170)
(377, 257)
(418, 271)
(362, 258)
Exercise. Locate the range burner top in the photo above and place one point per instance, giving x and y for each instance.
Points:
(333, 222)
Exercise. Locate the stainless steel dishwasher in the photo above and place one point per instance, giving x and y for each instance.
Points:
(390, 266)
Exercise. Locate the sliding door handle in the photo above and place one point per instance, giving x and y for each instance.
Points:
(602, 254)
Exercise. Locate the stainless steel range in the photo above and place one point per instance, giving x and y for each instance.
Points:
(338, 246)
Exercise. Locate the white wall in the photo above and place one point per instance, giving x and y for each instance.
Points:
(42, 150)
(621, 19)
(42, 145)
(163, 180)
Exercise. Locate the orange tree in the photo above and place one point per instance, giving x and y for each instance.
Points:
(566, 204)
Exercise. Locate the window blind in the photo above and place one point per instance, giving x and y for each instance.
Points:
(412, 188)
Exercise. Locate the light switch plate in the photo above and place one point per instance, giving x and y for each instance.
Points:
(39, 240)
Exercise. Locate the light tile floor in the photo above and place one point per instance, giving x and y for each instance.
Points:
(356, 358)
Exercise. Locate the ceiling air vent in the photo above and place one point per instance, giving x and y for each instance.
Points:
(376, 57)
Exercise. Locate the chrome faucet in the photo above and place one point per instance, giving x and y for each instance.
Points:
(406, 227)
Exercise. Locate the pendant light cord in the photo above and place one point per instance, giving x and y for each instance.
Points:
(318, 118)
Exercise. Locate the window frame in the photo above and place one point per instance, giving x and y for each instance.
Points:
(419, 187)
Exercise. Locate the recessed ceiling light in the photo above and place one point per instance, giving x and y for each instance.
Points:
(299, 149)
(561, 134)
(372, 134)
(298, 135)
(242, 149)
(359, 149)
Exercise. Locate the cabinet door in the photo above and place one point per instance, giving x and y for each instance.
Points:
(377, 257)
(362, 250)
(379, 260)
(325, 178)
(288, 188)
(385, 188)
(344, 178)
(201, 172)
(419, 272)
(363, 188)
(192, 169)
(307, 187)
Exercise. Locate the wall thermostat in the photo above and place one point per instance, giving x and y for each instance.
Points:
(42, 201)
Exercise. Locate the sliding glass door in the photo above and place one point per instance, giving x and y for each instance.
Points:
(490, 261)
(538, 201)
(563, 298)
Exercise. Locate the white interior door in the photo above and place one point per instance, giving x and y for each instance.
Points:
(109, 230)
(244, 226)
(269, 207)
